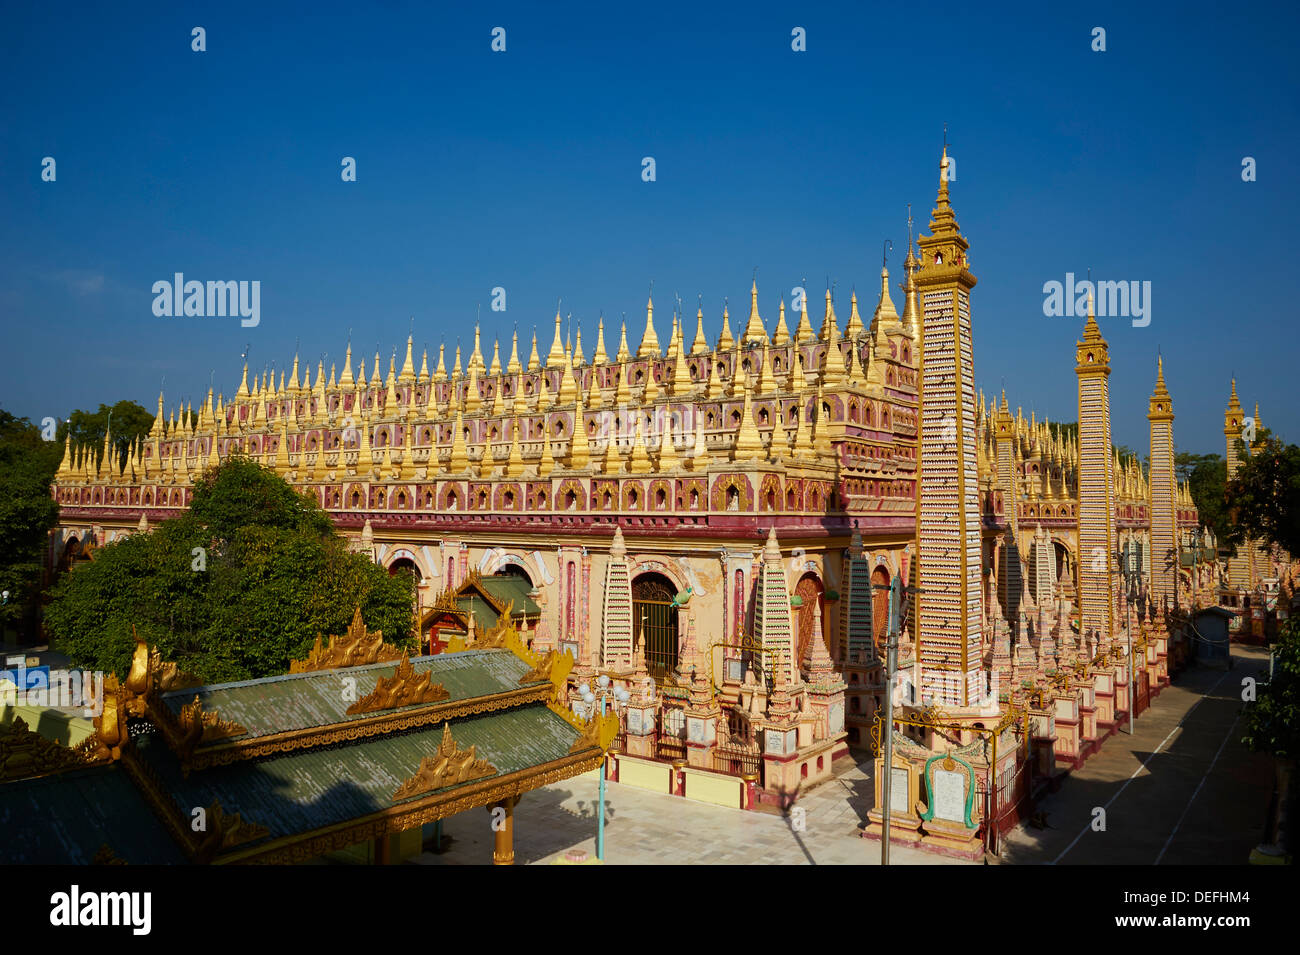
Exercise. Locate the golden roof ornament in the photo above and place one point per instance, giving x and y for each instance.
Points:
(404, 688)
(358, 646)
(449, 766)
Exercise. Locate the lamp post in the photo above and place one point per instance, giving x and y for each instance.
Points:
(588, 708)
(1129, 568)
(898, 592)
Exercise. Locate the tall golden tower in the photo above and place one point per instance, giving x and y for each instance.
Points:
(950, 611)
(1164, 515)
(1097, 539)
(1234, 417)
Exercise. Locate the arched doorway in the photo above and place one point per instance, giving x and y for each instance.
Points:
(404, 565)
(514, 570)
(654, 621)
(809, 590)
(879, 609)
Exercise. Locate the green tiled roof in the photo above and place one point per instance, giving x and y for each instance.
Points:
(282, 704)
(509, 588)
(63, 819)
(312, 789)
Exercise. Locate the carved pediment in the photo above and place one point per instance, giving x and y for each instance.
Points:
(194, 726)
(357, 647)
(449, 766)
(225, 831)
(404, 688)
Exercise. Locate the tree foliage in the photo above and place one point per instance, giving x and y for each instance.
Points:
(1207, 476)
(1263, 498)
(233, 589)
(27, 513)
(1273, 719)
(129, 422)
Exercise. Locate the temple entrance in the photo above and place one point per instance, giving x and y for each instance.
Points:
(654, 621)
(809, 590)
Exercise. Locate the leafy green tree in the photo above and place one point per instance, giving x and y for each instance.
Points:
(1273, 719)
(1207, 477)
(233, 589)
(129, 422)
(1263, 498)
(27, 513)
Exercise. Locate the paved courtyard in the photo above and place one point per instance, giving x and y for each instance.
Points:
(647, 828)
(1182, 790)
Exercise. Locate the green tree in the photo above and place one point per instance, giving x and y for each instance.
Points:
(1273, 719)
(1207, 477)
(1263, 498)
(27, 513)
(233, 589)
(129, 422)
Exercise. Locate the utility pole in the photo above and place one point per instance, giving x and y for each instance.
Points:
(898, 593)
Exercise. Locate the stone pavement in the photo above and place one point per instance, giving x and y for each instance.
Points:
(1181, 790)
(648, 828)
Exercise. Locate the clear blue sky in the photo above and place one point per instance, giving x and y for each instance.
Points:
(523, 170)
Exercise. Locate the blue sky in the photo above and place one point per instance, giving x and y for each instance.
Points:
(522, 170)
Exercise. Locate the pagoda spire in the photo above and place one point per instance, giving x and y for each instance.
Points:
(624, 353)
(555, 357)
(701, 344)
(513, 367)
(345, 380)
(649, 347)
(725, 339)
(754, 328)
(534, 363)
(886, 314)
(408, 366)
(598, 357)
(829, 321)
(494, 369)
(781, 337)
(855, 326)
(441, 373)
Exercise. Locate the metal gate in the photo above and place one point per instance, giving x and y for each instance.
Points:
(654, 621)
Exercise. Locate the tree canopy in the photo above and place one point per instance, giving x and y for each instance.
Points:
(231, 590)
(27, 513)
(1273, 719)
(128, 420)
(1206, 476)
(1263, 499)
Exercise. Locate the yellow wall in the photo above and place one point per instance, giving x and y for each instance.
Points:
(714, 788)
(66, 728)
(645, 775)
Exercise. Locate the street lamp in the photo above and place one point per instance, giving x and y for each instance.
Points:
(1129, 568)
(588, 709)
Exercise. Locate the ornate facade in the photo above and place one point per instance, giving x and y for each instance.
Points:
(714, 523)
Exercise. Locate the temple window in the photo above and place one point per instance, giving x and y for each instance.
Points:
(661, 499)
